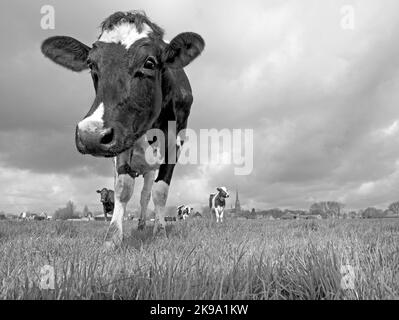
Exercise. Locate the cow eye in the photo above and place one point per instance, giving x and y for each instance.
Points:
(150, 63)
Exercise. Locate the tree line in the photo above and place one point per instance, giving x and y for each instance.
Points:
(70, 212)
(327, 209)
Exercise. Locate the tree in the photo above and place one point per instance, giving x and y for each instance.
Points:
(86, 212)
(372, 212)
(70, 207)
(66, 213)
(330, 209)
(394, 207)
(275, 213)
(352, 215)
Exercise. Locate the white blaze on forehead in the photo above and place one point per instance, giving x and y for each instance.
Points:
(125, 33)
(93, 122)
(224, 189)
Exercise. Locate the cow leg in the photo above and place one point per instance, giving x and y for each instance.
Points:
(218, 215)
(221, 215)
(105, 214)
(124, 186)
(145, 197)
(160, 195)
(161, 187)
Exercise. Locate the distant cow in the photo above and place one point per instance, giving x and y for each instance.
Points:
(107, 199)
(183, 212)
(217, 202)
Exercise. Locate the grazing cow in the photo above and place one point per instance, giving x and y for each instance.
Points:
(217, 202)
(140, 85)
(107, 199)
(183, 212)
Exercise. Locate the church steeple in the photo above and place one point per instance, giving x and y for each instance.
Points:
(237, 205)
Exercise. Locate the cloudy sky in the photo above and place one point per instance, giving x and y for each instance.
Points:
(322, 100)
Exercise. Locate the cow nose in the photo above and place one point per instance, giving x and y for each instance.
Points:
(107, 136)
(93, 138)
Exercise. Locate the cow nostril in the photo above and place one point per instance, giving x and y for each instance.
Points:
(108, 136)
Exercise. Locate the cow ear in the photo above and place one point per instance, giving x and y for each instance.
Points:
(67, 52)
(98, 191)
(183, 49)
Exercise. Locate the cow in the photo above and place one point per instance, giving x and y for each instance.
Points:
(107, 199)
(140, 85)
(217, 202)
(183, 212)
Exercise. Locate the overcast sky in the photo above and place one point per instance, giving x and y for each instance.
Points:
(322, 101)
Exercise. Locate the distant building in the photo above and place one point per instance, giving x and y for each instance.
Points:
(235, 212)
(237, 204)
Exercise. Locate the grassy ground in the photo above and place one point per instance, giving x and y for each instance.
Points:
(202, 260)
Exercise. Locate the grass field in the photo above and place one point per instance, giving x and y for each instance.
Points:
(201, 260)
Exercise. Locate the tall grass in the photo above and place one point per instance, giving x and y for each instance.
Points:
(202, 260)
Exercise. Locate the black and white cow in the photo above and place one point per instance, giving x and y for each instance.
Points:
(183, 212)
(108, 201)
(217, 202)
(140, 84)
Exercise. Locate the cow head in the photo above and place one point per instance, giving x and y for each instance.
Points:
(223, 192)
(127, 63)
(105, 195)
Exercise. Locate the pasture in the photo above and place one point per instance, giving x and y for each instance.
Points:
(252, 259)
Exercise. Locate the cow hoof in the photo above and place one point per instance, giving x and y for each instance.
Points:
(113, 244)
(113, 238)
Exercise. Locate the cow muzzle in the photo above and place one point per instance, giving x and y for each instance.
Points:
(92, 138)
